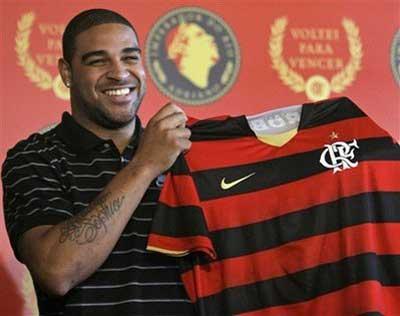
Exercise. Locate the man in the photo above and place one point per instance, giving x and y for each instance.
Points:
(79, 198)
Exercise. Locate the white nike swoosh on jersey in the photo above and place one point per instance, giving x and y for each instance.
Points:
(226, 186)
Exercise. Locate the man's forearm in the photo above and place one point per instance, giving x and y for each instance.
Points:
(71, 251)
(87, 226)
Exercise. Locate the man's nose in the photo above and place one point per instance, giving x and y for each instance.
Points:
(118, 71)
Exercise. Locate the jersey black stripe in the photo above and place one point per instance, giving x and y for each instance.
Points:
(180, 166)
(270, 173)
(232, 127)
(328, 111)
(363, 208)
(174, 226)
(371, 207)
(305, 285)
(313, 115)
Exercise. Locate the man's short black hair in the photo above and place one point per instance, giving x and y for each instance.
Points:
(84, 21)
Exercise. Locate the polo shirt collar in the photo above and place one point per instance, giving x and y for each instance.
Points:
(82, 140)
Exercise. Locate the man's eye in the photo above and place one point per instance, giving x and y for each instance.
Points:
(134, 58)
(97, 62)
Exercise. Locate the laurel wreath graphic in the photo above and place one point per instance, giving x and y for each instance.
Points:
(294, 80)
(29, 294)
(39, 76)
(345, 77)
(286, 74)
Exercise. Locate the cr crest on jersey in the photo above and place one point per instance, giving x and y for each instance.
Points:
(192, 56)
(339, 156)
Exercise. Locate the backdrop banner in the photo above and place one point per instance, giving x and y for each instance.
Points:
(210, 57)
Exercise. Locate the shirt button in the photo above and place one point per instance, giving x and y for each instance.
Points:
(106, 145)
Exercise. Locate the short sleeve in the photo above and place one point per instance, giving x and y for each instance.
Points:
(33, 192)
(179, 226)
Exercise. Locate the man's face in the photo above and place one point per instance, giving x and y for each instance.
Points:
(107, 76)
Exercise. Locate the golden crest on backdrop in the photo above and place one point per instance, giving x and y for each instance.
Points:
(40, 65)
(395, 56)
(316, 65)
(192, 55)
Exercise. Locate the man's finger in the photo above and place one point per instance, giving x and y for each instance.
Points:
(174, 120)
(167, 110)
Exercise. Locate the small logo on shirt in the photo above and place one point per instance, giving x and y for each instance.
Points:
(160, 181)
(339, 156)
(227, 185)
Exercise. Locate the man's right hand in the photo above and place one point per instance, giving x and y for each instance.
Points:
(164, 138)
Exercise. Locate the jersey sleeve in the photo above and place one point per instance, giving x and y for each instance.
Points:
(179, 226)
(33, 192)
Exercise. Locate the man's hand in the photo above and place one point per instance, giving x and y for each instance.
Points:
(165, 137)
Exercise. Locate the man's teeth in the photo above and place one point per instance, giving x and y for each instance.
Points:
(123, 91)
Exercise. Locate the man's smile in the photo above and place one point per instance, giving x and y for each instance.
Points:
(121, 94)
(121, 91)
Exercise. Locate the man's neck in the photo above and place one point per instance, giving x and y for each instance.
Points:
(120, 137)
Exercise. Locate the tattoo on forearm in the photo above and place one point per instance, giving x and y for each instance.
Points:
(84, 228)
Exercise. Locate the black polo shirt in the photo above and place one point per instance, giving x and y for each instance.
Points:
(51, 177)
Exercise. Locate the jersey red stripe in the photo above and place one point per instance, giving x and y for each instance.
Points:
(179, 192)
(280, 200)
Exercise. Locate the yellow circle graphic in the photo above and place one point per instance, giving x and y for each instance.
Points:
(395, 56)
(317, 88)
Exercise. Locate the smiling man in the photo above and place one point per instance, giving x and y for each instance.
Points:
(79, 199)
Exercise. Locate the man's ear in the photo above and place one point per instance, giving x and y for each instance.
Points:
(65, 72)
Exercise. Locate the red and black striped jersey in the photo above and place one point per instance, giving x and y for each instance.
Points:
(311, 227)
